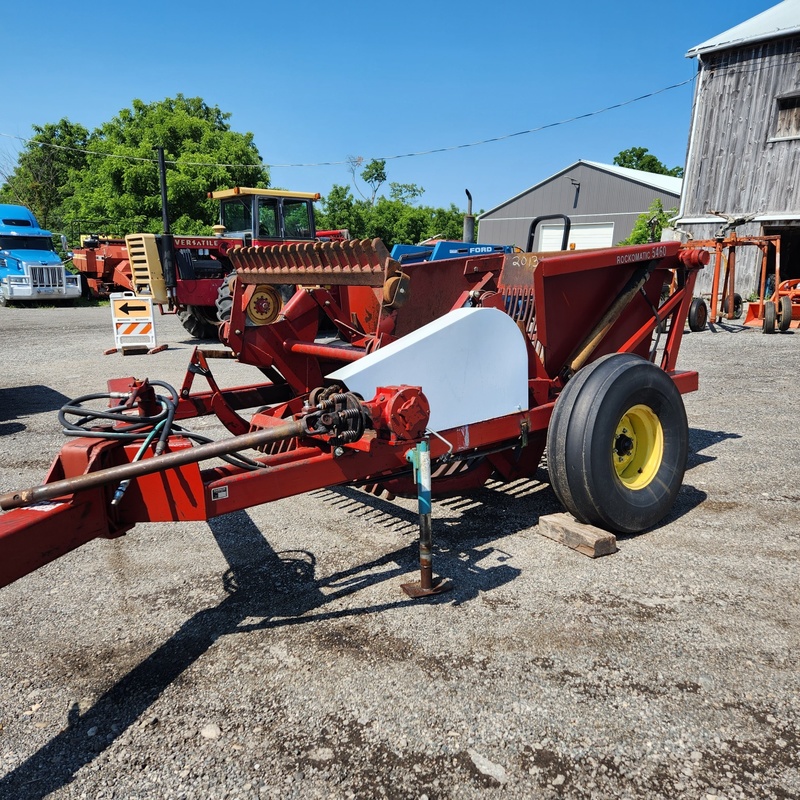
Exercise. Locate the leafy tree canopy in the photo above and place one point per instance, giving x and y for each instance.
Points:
(373, 174)
(649, 225)
(391, 219)
(43, 176)
(640, 158)
(116, 182)
(394, 219)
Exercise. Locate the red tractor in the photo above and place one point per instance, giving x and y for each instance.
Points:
(183, 274)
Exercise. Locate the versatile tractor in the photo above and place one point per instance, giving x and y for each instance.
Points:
(423, 377)
(183, 274)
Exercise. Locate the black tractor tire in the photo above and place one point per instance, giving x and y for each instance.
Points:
(200, 321)
(224, 306)
(738, 306)
(617, 444)
(286, 291)
(698, 315)
(784, 313)
(770, 314)
(225, 299)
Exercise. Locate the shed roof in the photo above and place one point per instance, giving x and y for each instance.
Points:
(774, 23)
(663, 183)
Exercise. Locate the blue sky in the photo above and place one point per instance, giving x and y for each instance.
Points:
(318, 82)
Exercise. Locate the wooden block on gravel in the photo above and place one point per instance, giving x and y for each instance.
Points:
(586, 539)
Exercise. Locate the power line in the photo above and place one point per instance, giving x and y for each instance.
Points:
(543, 127)
(449, 148)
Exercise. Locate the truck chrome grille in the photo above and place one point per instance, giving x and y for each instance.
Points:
(47, 277)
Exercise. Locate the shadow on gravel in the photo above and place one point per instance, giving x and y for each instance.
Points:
(700, 440)
(729, 326)
(497, 510)
(27, 400)
(276, 589)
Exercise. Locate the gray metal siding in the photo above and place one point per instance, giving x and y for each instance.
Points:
(601, 197)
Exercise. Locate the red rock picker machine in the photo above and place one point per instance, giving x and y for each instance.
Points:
(420, 378)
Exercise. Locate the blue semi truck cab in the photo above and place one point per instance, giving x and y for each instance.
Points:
(29, 267)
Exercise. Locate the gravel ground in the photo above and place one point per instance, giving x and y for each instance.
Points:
(271, 653)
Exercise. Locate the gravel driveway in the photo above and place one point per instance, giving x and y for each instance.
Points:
(271, 653)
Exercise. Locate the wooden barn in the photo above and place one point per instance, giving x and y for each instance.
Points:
(602, 201)
(743, 156)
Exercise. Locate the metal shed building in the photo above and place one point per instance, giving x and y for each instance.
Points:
(744, 144)
(601, 200)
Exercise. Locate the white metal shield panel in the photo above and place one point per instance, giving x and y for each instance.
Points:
(472, 365)
(584, 236)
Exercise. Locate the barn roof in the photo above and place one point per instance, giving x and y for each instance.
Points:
(774, 23)
(663, 183)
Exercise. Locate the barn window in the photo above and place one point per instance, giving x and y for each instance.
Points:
(788, 117)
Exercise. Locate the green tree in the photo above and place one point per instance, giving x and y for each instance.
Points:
(446, 223)
(405, 192)
(393, 219)
(373, 174)
(121, 180)
(341, 210)
(45, 171)
(110, 175)
(649, 225)
(640, 158)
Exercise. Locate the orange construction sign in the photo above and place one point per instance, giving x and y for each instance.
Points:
(132, 316)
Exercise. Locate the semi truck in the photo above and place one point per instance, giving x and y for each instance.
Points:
(30, 269)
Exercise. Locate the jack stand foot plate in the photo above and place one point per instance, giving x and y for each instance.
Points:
(415, 590)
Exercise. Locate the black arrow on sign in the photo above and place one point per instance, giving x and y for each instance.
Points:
(126, 309)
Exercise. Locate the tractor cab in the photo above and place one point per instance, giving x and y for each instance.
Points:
(266, 215)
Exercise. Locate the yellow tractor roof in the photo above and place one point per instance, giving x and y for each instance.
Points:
(240, 190)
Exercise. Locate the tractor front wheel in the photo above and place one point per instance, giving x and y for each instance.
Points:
(617, 444)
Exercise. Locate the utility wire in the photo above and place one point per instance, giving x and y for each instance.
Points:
(381, 158)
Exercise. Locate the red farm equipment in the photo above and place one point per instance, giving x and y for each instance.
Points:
(430, 378)
(727, 304)
(183, 274)
(778, 307)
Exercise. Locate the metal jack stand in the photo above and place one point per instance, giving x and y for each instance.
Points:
(420, 458)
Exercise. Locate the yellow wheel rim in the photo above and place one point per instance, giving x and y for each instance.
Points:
(638, 447)
(264, 305)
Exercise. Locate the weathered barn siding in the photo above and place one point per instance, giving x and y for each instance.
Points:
(600, 197)
(737, 163)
